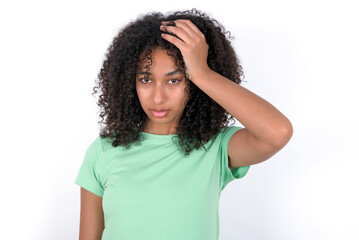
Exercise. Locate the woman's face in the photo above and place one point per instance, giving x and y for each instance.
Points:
(164, 89)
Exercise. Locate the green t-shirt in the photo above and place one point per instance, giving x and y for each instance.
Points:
(154, 192)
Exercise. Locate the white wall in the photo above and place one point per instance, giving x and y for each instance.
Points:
(301, 56)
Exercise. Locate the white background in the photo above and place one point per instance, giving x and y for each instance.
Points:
(301, 56)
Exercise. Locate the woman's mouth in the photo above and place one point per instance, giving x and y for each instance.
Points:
(159, 113)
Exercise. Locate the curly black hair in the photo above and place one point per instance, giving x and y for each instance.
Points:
(202, 118)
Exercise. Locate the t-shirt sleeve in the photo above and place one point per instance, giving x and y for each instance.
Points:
(89, 175)
(228, 175)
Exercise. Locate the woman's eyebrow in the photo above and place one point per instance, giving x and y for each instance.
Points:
(167, 75)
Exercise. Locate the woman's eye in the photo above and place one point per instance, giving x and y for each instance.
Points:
(174, 80)
(144, 79)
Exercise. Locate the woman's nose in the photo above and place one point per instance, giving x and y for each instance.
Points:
(159, 95)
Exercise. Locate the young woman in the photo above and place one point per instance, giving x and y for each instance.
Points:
(170, 84)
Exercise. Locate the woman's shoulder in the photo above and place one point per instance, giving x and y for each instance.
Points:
(226, 132)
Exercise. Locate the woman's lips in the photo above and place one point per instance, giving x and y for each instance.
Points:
(159, 113)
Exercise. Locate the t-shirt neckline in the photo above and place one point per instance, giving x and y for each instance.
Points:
(157, 136)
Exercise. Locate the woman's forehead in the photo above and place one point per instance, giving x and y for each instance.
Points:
(166, 74)
(146, 57)
(160, 66)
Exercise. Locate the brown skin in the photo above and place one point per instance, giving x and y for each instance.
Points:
(91, 216)
(162, 92)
